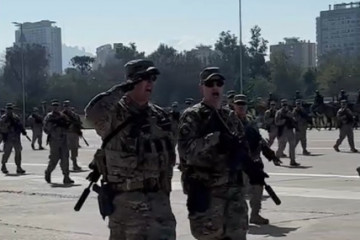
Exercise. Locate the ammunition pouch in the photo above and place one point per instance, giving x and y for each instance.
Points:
(105, 199)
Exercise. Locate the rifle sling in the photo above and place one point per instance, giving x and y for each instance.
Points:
(107, 139)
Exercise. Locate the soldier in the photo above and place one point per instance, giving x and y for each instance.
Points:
(346, 123)
(139, 158)
(270, 126)
(2, 112)
(319, 99)
(358, 98)
(35, 121)
(343, 95)
(73, 134)
(11, 128)
(302, 120)
(189, 102)
(230, 98)
(285, 122)
(56, 126)
(211, 155)
(271, 98)
(175, 114)
(257, 145)
(297, 96)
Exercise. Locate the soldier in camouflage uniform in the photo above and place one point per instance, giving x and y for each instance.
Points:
(11, 128)
(35, 121)
(139, 159)
(302, 120)
(284, 120)
(270, 126)
(346, 124)
(73, 134)
(2, 112)
(56, 125)
(257, 145)
(210, 154)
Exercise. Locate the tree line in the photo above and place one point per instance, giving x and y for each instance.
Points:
(180, 70)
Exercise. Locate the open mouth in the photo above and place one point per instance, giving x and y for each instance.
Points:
(216, 94)
(148, 90)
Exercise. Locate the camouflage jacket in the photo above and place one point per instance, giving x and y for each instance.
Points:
(35, 121)
(56, 125)
(301, 117)
(11, 127)
(285, 118)
(75, 122)
(144, 148)
(269, 118)
(345, 116)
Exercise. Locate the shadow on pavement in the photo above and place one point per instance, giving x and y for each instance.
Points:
(16, 174)
(80, 171)
(270, 230)
(312, 155)
(298, 167)
(61, 185)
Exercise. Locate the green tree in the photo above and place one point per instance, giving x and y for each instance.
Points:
(82, 63)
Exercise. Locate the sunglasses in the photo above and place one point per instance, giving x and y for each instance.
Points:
(211, 83)
(149, 78)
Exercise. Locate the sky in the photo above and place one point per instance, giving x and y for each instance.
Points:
(182, 24)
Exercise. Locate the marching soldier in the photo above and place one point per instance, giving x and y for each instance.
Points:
(285, 122)
(297, 96)
(346, 124)
(56, 126)
(343, 95)
(257, 145)
(211, 155)
(302, 120)
(11, 128)
(270, 126)
(319, 99)
(230, 98)
(73, 134)
(2, 112)
(140, 155)
(35, 121)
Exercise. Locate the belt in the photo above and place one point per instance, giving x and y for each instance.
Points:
(148, 185)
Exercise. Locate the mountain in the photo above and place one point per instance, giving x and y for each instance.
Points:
(68, 52)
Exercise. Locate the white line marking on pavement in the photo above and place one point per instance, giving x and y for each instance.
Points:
(313, 175)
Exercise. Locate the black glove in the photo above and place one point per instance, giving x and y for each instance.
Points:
(93, 176)
(258, 178)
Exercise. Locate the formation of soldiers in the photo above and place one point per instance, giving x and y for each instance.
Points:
(219, 148)
(63, 129)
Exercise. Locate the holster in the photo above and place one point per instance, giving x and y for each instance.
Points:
(105, 199)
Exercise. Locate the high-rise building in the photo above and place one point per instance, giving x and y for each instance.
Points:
(301, 53)
(46, 35)
(104, 53)
(338, 29)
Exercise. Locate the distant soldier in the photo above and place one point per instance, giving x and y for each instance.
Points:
(175, 114)
(285, 122)
(189, 102)
(297, 96)
(230, 98)
(319, 99)
(358, 98)
(270, 126)
(302, 120)
(343, 95)
(271, 98)
(346, 124)
(73, 134)
(11, 128)
(2, 112)
(35, 121)
(56, 126)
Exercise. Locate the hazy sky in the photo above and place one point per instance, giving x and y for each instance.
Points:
(180, 23)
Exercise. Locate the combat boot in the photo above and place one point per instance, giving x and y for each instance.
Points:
(41, 148)
(67, 180)
(358, 170)
(306, 153)
(19, 170)
(258, 219)
(4, 169)
(294, 164)
(33, 146)
(336, 148)
(354, 150)
(47, 177)
(76, 167)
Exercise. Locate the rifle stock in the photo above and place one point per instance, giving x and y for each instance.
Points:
(272, 194)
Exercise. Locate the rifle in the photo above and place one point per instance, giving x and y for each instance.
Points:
(268, 189)
(86, 142)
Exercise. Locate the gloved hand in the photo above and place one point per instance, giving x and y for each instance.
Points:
(258, 178)
(93, 176)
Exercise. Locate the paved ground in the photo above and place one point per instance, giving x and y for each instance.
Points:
(320, 200)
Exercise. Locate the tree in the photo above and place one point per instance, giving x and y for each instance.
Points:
(127, 53)
(257, 52)
(82, 63)
(35, 69)
(310, 84)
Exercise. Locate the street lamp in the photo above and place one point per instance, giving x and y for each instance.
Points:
(241, 54)
(22, 40)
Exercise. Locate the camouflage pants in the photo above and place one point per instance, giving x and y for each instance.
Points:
(273, 132)
(37, 134)
(142, 216)
(255, 193)
(73, 145)
(225, 218)
(8, 146)
(346, 130)
(58, 151)
(300, 136)
(287, 136)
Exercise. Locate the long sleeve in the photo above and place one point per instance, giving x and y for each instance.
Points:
(279, 120)
(98, 111)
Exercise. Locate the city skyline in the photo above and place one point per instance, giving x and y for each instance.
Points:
(191, 24)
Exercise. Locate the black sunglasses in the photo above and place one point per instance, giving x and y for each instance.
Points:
(149, 78)
(211, 83)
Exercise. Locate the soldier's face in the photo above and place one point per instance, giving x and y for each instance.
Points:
(55, 108)
(212, 90)
(142, 91)
(240, 109)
